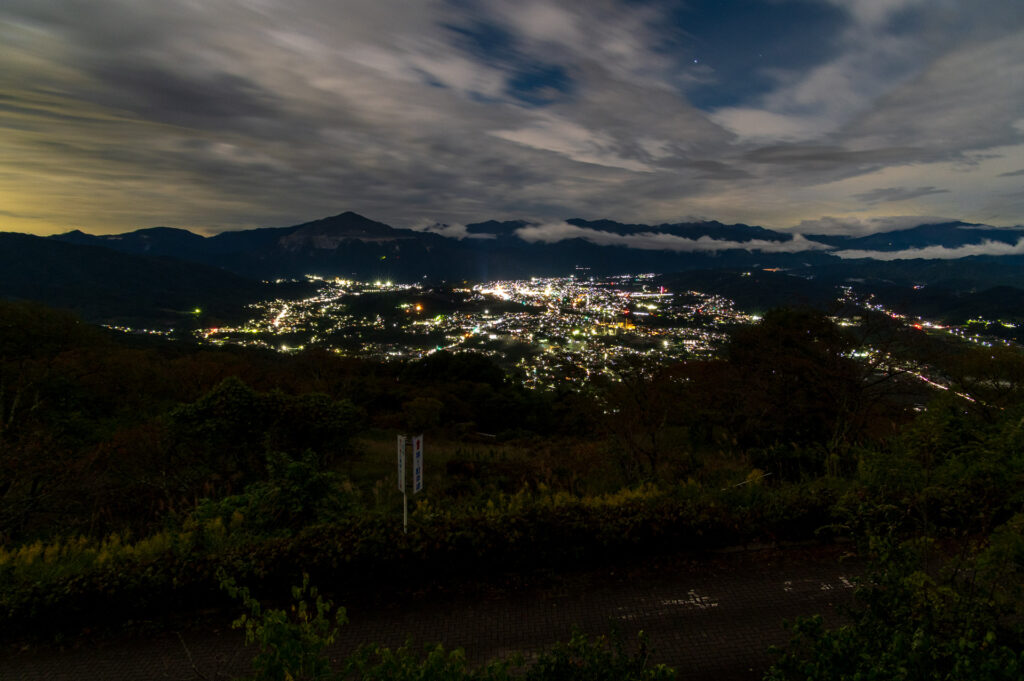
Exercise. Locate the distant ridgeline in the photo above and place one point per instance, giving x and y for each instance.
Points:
(166, 274)
(350, 245)
(104, 285)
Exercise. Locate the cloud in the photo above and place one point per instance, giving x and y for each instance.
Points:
(986, 247)
(1015, 173)
(572, 141)
(828, 157)
(119, 114)
(451, 231)
(660, 241)
(938, 109)
(756, 125)
(888, 194)
(873, 13)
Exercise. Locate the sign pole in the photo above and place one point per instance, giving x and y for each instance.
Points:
(401, 483)
(417, 473)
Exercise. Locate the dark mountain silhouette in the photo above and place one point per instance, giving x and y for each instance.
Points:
(948, 234)
(330, 233)
(758, 290)
(353, 246)
(687, 230)
(103, 285)
(153, 241)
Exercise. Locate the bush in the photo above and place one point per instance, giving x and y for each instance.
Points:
(59, 585)
(909, 625)
(292, 646)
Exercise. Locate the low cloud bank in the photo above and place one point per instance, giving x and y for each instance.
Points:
(986, 247)
(450, 231)
(660, 241)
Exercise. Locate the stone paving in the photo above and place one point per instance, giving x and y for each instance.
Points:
(711, 617)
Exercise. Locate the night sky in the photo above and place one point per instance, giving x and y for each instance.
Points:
(842, 116)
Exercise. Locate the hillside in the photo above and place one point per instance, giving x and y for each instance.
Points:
(103, 285)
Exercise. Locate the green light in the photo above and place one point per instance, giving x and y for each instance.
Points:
(197, 311)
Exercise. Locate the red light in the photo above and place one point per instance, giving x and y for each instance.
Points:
(918, 326)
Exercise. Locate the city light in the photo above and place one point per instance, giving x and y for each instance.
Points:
(561, 328)
(548, 330)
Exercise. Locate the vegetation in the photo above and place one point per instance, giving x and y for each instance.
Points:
(153, 470)
(959, 619)
(292, 644)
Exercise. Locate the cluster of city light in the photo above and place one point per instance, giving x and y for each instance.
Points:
(553, 330)
(588, 327)
(965, 333)
(885, 362)
(565, 328)
(312, 319)
(139, 331)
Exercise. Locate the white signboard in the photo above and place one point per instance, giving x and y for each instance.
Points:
(401, 463)
(417, 464)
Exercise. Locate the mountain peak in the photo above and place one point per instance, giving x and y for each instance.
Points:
(347, 221)
(328, 233)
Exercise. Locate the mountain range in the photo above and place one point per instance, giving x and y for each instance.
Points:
(174, 269)
(352, 245)
(104, 285)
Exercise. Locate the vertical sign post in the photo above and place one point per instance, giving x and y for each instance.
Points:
(401, 483)
(417, 464)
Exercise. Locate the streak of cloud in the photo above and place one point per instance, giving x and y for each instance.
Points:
(451, 231)
(986, 247)
(660, 241)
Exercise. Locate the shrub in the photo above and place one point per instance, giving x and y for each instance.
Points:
(292, 644)
(908, 625)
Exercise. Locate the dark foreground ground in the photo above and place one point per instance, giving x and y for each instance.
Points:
(710, 617)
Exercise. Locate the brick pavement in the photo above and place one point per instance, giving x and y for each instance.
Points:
(711, 617)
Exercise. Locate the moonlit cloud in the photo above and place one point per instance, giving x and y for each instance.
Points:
(986, 247)
(451, 231)
(659, 241)
(117, 114)
(572, 141)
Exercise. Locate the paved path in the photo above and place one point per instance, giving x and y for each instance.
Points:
(711, 618)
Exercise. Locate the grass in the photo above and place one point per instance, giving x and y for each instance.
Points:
(457, 468)
(374, 470)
